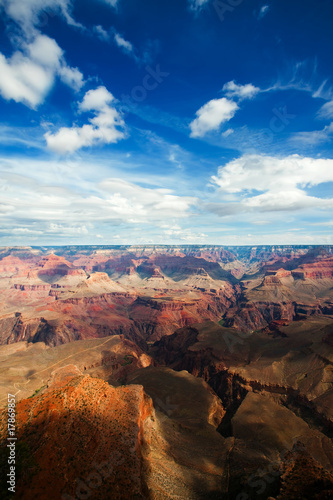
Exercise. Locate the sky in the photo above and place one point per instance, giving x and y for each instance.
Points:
(166, 122)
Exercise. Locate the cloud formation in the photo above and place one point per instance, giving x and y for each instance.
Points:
(101, 33)
(218, 111)
(123, 44)
(267, 183)
(326, 111)
(29, 13)
(32, 207)
(29, 74)
(212, 115)
(107, 125)
(314, 137)
(140, 203)
(232, 90)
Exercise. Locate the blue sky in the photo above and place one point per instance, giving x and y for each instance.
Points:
(167, 122)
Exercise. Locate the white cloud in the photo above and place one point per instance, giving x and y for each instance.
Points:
(78, 204)
(280, 182)
(44, 51)
(263, 11)
(197, 4)
(28, 75)
(23, 80)
(294, 199)
(72, 77)
(70, 202)
(326, 111)
(262, 173)
(122, 43)
(227, 132)
(138, 202)
(96, 100)
(178, 233)
(101, 33)
(314, 137)
(212, 115)
(104, 128)
(218, 111)
(323, 91)
(28, 13)
(232, 89)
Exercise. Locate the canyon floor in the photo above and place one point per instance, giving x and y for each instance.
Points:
(168, 372)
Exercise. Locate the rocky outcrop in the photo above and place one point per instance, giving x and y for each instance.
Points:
(257, 315)
(155, 290)
(84, 437)
(207, 351)
(32, 288)
(303, 477)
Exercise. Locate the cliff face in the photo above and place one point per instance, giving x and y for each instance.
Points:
(82, 437)
(146, 293)
(26, 367)
(257, 315)
(275, 391)
(241, 370)
(220, 421)
(85, 438)
(235, 364)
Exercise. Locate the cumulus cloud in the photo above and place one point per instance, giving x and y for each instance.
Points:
(71, 77)
(261, 173)
(23, 80)
(104, 128)
(267, 183)
(29, 74)
(212, 115)
(232, 89)
(218, 111)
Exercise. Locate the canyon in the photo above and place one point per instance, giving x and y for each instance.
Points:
(206, 371)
